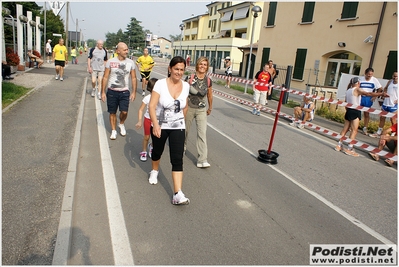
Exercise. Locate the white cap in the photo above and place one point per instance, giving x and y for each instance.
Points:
(49, 40)
(227, 57)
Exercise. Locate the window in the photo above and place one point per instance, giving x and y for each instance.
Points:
(241, 13)
(349, 10)
(308, 10)
(241, 33)
(213, 25)
(299, 63)
(265, 55)
(391, 66)
(227, 16)
(271, 17)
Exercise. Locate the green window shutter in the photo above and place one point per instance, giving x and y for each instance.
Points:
(391, 66)
(308, 10)
(349, 10)
(299, 63)
(271, 17)
(265, 56)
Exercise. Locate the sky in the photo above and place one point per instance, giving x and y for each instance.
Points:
(96, 18)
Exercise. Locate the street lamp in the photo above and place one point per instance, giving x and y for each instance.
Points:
(181, 36)
(7, 12)
(76, 32)
(255, 10)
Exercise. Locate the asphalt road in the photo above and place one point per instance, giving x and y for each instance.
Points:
(242, 211)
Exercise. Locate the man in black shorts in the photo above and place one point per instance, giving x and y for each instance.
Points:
(146, 64)
(60, 58)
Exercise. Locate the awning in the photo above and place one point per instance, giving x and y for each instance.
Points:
(226, 16)
(221, 34)
(241, 13)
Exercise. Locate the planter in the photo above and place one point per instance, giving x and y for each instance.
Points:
(21, 68)
(13, 69)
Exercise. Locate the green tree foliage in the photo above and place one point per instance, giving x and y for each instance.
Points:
(134, 35)
(175, 38)
(112, 39)
(54, 24)
(135, 32)
(91, 42)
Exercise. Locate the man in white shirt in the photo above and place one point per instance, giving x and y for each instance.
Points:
(96, 66)
(48, 51)
(369, 84)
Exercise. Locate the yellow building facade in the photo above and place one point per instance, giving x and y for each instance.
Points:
(321, 40)
(218, 33)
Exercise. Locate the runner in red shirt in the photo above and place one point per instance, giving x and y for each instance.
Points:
(261, 90)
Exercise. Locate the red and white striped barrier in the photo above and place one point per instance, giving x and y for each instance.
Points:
(356, 143)
(321, 98)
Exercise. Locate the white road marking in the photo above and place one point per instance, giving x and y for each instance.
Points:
(316, 195)
(119, 237)
(64, 234)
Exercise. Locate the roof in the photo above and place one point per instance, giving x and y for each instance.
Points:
(244, 47)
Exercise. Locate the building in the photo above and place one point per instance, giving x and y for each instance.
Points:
(163, 45)
(321, 40)
(219, 33)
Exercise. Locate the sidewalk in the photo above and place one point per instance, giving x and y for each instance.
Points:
(37, 139)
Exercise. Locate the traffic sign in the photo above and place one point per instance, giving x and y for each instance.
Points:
(56, 6)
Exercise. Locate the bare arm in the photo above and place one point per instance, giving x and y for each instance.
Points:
(210, 100)
(105, 83)
(134, 84)
(141, 109)
(156, 128)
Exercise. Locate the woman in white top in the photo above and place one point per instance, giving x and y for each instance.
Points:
(352, 115)
(167, 107)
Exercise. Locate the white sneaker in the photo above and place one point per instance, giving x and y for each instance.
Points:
(203, 165)
(300, 126)
(123, 129)
(143, 94)
(93, 92)
(57, 77)
(254, 111)
(153, 177)
(113, 135)
(143, 156)
(180, 199)
(293, 123)
(61, 79)
(149, 150)
(99, 95)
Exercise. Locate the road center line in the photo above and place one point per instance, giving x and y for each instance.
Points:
(119, 237)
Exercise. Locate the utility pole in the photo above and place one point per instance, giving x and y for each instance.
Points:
(66, 28)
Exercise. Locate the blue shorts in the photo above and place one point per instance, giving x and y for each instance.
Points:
(117, 99)
(366, 101)
(390, 109)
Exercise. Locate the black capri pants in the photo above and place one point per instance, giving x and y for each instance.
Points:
(176, 147)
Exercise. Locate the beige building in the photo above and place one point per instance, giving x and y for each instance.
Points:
(320, 40)
(164, 45)
(219, 33)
